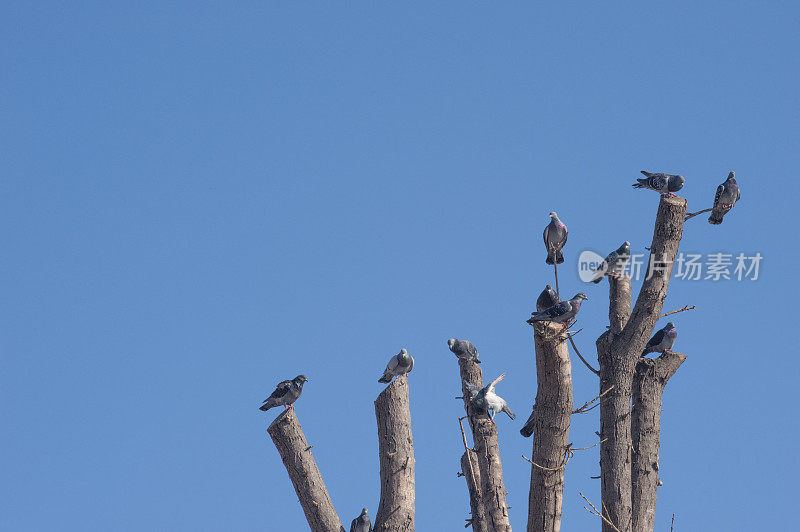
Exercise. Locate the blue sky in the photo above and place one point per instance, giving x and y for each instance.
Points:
(201, 199)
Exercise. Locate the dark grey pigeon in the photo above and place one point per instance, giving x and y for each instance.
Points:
(555, 236)
(547, 299)
(286, 393)
(726, 197)
(527, 429)
(487, 399)
(361, 523)
(560, 312)
(463, 349)
(666, 184)
(662, 340)
(400, 364)
(614, 263)
(472, 391)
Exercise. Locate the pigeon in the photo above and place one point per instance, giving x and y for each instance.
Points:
(555, 236)
(560, 312)
(463, 349)
(361, 523)
(286, 393)
(666, 184)
(527, 429)
(472, 390)
(486, 400)
(547, 299)
(614, 263)
(725, 198)
(662, 340)
(400, 364)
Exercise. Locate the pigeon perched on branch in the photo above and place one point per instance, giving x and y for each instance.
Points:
(666, 184)
(286, 393)
(547, 299)
(555, 236)
(487, 399)
(463, 349)
(361, 523)
(727, 195)
(614, 263)
(560, 312)
(400, 364)
(662, 340)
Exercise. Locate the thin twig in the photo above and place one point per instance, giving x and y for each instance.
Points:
(584, 448)
(693, 214)
(597, 512)
(466, 450)
(555, 268)
(672, 523)
(687, 307)
(583, 410)
(569, 337)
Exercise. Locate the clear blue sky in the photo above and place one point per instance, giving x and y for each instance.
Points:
(200, 200)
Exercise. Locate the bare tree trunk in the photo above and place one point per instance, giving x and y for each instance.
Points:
(648, 386)
(471, 471)
(396, 451)
(302, 468)
(552, 414)
(487, 449)
(619, 349)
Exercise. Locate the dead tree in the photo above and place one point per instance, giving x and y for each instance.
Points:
(618, 351)
(552, 413)
(302, 468)
(396, 452)
(487, 450)
(648, 385)
(470, 470)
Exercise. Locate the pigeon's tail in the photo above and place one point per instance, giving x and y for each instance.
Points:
(549, 259)
(508, 411)
(646, 350)
(266, 406)
(559, 256)
(386, 378)
(596, 281)
(715, 218)
(527, 430)
(642, 183)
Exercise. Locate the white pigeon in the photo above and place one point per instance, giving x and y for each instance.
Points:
(486, 399)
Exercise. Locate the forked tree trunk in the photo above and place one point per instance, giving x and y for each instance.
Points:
(618, 350)
(648, 386)
(552, 414)
(487, 449)
(302, 468)
(396, 452)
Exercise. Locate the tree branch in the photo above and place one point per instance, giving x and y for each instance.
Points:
(692, 215)
(553, 412)
(396, 453)
(487, 449)
(296, 455)
(684, 309)
(648, 386)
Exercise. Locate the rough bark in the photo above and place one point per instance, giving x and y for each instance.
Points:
(487, 449)
(618, 350)
(396, 451)
(648, 386)
(471, 471)
(552, 414)
(302, 468)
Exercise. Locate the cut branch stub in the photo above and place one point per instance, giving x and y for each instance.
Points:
(550, 429)
(648, 386)
(487, 449)
(304, 473)
(396, 453)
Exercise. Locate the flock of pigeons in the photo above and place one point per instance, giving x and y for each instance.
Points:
(549, 307)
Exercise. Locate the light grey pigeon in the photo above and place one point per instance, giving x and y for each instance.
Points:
(662, 340)
(547, 299)
(487, 399)
(560, 312)
(361, 523)
(666, 184)
(400, 364)
(614, 263)
(727, 195)
(527, 429)
(286, 393)
(463, 349)
(555, 236)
